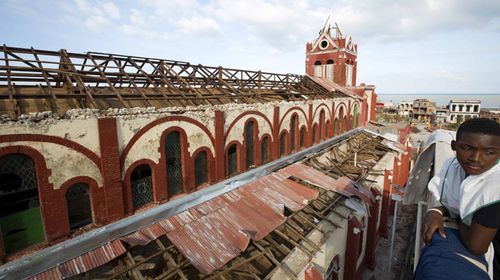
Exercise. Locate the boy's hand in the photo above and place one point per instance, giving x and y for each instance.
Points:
(433, 221)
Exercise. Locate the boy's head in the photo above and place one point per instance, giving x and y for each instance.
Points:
(477, 145)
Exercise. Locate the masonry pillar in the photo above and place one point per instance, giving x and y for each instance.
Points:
(110, 168)
(275, 151)
(352, 249)
(386, 202)
(372, 236)
(310, 135)
(220, 158)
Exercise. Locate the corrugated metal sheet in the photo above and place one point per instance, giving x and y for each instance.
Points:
(358, 189)
(85, 262)
(318, 178)
(222, 227)
(212, 233)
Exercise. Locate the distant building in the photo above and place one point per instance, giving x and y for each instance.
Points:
(423, 109)
(405, 108)
(442, 114)
(463, 109)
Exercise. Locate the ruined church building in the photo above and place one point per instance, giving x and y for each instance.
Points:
(87, 139)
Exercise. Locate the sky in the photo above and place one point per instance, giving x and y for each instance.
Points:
(405, 46)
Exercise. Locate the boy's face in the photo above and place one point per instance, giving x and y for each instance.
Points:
(477, 152)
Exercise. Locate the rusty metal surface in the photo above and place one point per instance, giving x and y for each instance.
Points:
(84, 263)
(317, 178)
(213, 233)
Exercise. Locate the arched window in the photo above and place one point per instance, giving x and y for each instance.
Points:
(315, 132)
(329, 70)
(200, 168)
(249, 144)
(302, 137)
(175, 183)
(20, 219)
(264, 149)
(341, 119)
(232, 160)
(318, 69)
(142, 186)
(293, 125)
(355, 117)
(79, 210)
(282, 144)
(321, 124)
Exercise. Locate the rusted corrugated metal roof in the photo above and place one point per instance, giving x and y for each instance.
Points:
(342, 185)
(220, 229)
(85, 262)
(318, 178)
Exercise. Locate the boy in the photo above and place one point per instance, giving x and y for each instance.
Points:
(467, 188)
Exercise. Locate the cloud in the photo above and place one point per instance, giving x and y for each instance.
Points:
(111, 9)
(198, 25)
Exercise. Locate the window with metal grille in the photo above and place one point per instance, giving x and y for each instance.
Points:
(321, 123)
(249, 144)
(282, 144)
(18, 187)
(200, 168)
(232, 163)
(20, 218)
(293, 124)
(142, 186)
(173, 153)
(302, 137)
(264, 149)
(79, 209)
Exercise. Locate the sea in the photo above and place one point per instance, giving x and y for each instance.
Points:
(488, 101)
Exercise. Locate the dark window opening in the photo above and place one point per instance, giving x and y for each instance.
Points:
(324, 44)
(20, 219)
(317, 62)
(142, 186)
(264, 149)
(293, 124)
(282, 144)
(329, 61)
(200, 169)
(321, 124)
(79, 210)
(302, 137)
(231, 160)
(174, 163)
(249, 144)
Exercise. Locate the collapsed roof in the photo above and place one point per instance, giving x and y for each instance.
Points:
(39, 80)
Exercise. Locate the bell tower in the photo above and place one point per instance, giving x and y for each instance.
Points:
(332, 56)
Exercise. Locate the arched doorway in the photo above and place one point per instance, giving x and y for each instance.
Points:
(20, 217)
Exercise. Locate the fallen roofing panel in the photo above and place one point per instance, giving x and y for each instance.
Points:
(317, 178)
(85, 262)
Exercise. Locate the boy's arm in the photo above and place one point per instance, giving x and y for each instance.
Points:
(484, 226)
(477, 238)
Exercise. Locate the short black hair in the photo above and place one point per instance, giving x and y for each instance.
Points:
(479, 125)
